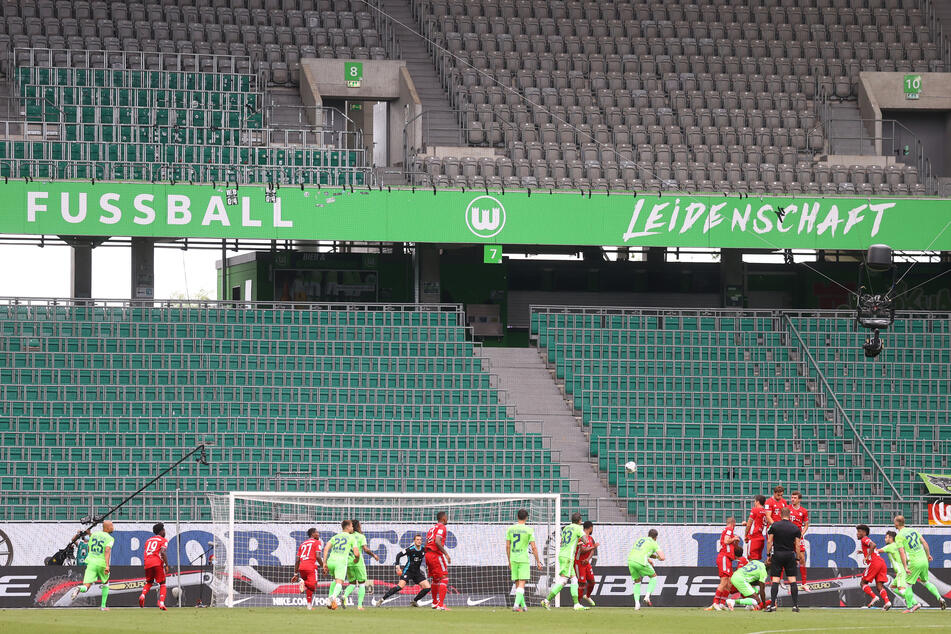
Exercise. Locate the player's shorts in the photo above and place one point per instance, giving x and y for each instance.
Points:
(521, 571)
(337, 569)
(724, 566)
(357, 572)
(743, 586)
(584, 572)
(756, 548)
(94, 573)
(784, 564)
(413, 577)
(309, 575)
(436, 565)
(919, 572)
(900, 580)
(876, 571)
(155, 574)
(566, 567)
(639, 571)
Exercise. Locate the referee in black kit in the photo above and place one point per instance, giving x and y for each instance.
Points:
(782, 544)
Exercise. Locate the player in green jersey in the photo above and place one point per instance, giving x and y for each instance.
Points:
(97, 563)
(915, 556)
(570, 535)
(518, 539)
(357, 568)
(337, 553)
(638, 562)
(891, 549)
(746, 579)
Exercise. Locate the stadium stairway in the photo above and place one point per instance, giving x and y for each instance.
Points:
(531, 388)
(440, 125)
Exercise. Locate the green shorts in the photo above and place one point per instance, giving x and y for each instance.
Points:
(357, 572)
(639, 571)
(743, 586)
(919, 572)
(900, 579)
(95, 572)
(521, 571)
(566, 567)
(337, 569)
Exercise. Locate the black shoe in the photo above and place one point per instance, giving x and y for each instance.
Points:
(771, 608)
(795, 608)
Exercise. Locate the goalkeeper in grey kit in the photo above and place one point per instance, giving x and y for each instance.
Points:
(410, 572)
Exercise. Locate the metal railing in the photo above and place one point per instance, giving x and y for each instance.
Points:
(386, 28)
(130, 60)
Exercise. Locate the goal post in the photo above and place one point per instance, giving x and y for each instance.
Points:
(256, 535)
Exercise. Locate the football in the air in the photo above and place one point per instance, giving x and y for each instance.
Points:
(630, 467)
(176, 591)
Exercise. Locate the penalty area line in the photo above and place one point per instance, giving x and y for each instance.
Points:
(853, 628)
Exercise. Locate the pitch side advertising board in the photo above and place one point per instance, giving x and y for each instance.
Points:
(264, 560)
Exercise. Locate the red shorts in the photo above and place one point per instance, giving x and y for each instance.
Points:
(155, 574)
(309, 575)
(584, 572)
(755, 548)
(436, 565)
(876, 571)
(724, 566)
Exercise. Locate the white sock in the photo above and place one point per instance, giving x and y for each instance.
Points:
(647, 592)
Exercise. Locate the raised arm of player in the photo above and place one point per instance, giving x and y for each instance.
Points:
(399, 558)
(356, 553)
(367, 550)
(904, 559)
(326, 552)
(538, 560)
(924, 543)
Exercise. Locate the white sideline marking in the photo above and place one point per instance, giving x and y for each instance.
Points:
(853, 628)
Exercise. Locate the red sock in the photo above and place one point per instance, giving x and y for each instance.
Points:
(589, 589)
(146, 587)
(161, 593)
(867, 589)
(884, 595)
(802, 574)
(718, 598)
(310, 594)
(443, 587)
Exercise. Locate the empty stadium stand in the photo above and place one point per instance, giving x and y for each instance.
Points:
(713, 404)
(667, 95)
(97, 399)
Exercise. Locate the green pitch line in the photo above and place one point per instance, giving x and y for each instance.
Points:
(655, 620)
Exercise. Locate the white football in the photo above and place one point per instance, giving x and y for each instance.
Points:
(176, 591)
(630, 467)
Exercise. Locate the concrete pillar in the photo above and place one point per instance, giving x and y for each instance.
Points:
(143, 269)
(80, 271)
(428, 284)
(732, 278)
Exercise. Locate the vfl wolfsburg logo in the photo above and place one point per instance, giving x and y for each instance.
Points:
(485, 216)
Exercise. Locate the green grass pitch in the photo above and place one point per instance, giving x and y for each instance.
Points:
(398, 620)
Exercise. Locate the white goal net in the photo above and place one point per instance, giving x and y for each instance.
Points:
(258, 534)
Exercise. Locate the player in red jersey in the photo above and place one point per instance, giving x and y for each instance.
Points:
(583, 569)
(155, 561)
(755, 525)
(437, 560)
(309, 557)
(775, 504)
(875, 570)
(725, 556)
(799, 516)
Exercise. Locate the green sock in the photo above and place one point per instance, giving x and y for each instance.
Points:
(555, 589)
(521, 599)
(746, 601)
(362, 592)
(333, 588)
(650, 587)
(574, 591)
(933, 589)
(348, 591)
(909, 597)
(83, 588)
(105, 593)
(637, 592)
